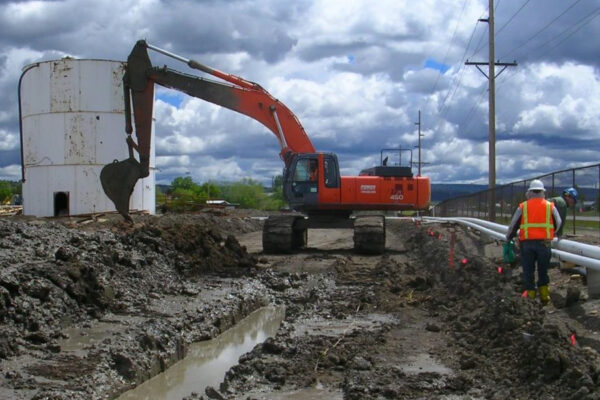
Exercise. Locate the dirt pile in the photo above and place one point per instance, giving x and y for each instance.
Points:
(58, 274)
(509, 342)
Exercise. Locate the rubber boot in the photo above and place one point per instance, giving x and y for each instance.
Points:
(544, 294)
(531, 294)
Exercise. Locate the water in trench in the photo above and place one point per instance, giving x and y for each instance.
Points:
(207, 362)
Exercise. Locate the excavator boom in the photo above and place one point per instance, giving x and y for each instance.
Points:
(119, 178)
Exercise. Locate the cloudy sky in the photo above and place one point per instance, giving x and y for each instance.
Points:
(356, 74)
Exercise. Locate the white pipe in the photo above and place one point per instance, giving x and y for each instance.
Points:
(567, 250)
(576, 259)
(566, 245)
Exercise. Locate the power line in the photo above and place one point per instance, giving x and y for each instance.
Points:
(468, 116)
(591, 17)
(511, 18)
(449, 45)
(466, 121)
(458, 75)
(575, 28)
(543, 29)
(479, 45)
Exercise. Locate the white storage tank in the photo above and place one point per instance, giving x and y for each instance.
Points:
(73, 123)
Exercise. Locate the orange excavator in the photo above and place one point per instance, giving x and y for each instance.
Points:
(312, 184)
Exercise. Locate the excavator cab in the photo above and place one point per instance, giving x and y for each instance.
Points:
(311, 180)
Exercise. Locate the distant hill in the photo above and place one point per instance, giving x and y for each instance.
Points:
(444, 191)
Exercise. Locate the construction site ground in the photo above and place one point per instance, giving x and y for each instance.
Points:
(91, 308)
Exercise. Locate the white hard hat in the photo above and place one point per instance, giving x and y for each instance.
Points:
(536, 184)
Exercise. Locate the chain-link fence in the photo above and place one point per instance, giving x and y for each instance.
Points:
(584, 218)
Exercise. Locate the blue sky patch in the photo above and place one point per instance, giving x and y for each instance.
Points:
(431, 63)
(173, 98)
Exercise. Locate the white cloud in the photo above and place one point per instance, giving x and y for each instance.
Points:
(10, 173)
(567, 104)
(8, 141)
(353, 72)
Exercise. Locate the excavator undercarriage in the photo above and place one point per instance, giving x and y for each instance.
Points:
(288, 233)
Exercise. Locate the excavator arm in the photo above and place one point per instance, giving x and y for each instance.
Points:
(119, 178)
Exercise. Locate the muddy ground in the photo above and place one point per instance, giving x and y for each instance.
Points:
(409, 324)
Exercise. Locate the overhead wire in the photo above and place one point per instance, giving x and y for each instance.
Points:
(460, 71)
(449, 45)
(543, 29)
(591, 18)
(458, 75)
(511, 18)
(466, 124)
(458, 79)
(573, 28)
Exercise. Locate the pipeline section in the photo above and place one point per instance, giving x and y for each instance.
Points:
(577, 253)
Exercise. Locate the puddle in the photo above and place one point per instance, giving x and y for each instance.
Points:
(424, 363)
(336, 327)
(300, 394)
(80, 339)
(207, 362)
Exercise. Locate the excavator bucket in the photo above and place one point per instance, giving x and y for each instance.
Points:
(118, 180)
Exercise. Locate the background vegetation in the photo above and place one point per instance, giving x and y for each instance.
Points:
(8, 189)
(186, 195)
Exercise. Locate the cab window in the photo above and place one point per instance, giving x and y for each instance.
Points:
(306, 170)
(331, 172)
(306, 176)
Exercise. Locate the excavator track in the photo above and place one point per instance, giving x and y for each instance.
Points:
(281, 234)
(369, 234)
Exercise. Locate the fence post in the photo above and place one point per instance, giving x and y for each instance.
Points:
(574, 209)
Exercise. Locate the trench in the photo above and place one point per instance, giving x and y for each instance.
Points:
(207, 362)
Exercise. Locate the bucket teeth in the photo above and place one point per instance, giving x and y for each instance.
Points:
(118, 180)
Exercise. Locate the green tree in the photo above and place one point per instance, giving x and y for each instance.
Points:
(187, 195)
(183, 183)
(248, 193)
(160, 197)
(211, 190)
(5, 191)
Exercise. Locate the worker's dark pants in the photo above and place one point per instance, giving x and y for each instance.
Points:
(532, 251)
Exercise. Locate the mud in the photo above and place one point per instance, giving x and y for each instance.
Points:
(90, 309)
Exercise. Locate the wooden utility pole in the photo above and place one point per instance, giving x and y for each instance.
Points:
(492, 109)
(419, 123)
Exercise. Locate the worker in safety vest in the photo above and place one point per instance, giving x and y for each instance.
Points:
(536, 219)
(568, 199)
